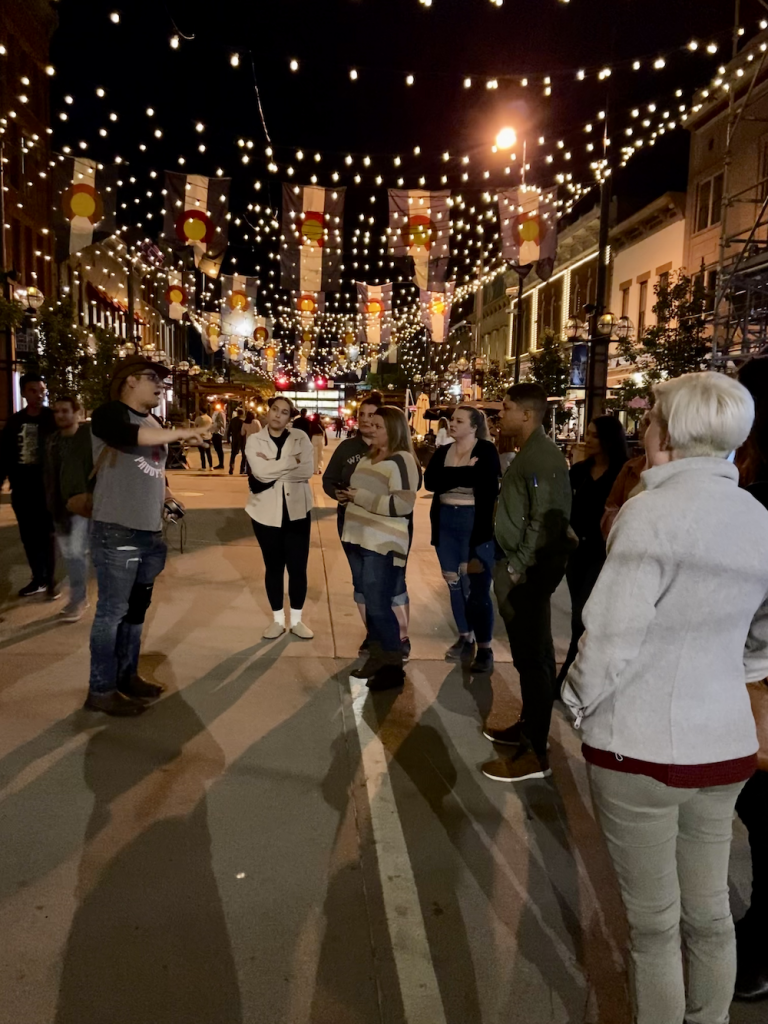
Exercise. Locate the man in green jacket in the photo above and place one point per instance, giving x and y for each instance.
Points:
(533, 538)
(68, 469)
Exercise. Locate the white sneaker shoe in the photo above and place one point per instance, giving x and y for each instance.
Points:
(303, 631)
(273, 631)
(73, 612)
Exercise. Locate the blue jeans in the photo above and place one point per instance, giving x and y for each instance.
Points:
(468, 572)
(127, 562)
(378, 581)
(73, 545)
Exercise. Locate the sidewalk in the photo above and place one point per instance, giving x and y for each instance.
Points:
(270, 846)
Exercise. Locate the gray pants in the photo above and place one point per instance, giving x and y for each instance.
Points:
(670, 848)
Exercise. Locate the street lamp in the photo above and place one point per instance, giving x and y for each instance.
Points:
(35, 299)
(605, 325)
(624, 328)
(575, 328)
(506, 138)
(462, 364)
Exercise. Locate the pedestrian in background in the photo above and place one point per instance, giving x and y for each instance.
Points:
(592, 479)
(280, 463)
(251, 426)
(443, 433)
(675, 627)
(319, 439)
(339, 424)
(376, 538)
(301, 422)
(69, 486)
(22, 457)
(127, 546)
(752, 805)
(236, 440)
(534, 539)
(218, 433)
(203, 424)
(464, 479)
(627, 483)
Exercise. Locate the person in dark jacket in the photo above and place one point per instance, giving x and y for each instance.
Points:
(592, 481)
(69, 479)
(464, 478)
(237, 441)
(22, 455)
(752, 805)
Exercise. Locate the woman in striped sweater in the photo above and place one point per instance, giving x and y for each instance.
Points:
(380, 498)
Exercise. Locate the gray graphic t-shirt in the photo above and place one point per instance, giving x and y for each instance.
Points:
(130, 482)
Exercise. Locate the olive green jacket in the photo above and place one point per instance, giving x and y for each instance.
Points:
(532, 517)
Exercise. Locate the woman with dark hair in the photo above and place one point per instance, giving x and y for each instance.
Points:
(464, 478)
(280, 461)
(752, 805)
(376, 537)
(605, 451)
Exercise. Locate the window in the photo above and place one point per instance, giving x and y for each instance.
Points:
(664, 280)
(642, 302)
(709, 200)
(625, 301)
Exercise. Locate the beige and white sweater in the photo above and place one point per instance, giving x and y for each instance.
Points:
(378, 518)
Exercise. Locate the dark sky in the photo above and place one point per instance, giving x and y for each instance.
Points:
(377, 115)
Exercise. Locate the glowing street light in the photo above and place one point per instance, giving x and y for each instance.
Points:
(506, 138)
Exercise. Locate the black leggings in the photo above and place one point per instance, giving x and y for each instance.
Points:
(285, 547)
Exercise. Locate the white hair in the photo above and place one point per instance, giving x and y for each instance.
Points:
(704, 414)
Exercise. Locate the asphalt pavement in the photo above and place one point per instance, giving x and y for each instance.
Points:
(272, 845)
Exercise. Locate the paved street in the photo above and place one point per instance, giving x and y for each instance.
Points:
(268, 845)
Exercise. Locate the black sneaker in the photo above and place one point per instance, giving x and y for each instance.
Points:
(462, 650)
(33, 588)
(52, 592)
(366, 671)
(483, 660)
(114, 703)
(138, 689)
(405, 646)
(365, 646)
(388, 677)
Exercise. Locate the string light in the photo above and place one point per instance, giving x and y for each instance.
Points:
(115, 18)
(234, 60)
(174, 42)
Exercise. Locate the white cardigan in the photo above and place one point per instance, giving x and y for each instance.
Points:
(290, 477)
(677, 622)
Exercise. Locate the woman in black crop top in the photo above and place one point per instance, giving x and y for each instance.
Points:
(464, 477)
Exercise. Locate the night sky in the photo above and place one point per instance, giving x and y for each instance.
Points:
(320, 108)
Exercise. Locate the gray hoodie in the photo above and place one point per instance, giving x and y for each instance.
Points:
(677, 622)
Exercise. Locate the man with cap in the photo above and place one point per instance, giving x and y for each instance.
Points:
(127, 547)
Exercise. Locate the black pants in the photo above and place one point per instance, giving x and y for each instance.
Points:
(218, 446)
(234, 452)
(525, 609)
(581, 575)
(285, 547)
(752, 808)
(36, 530)
(205, 453)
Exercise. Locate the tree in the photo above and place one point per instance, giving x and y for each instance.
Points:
(97, 366)
(674, 345)
(496, 383)
(551, 367)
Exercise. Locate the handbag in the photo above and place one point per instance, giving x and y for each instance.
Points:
(758, 695)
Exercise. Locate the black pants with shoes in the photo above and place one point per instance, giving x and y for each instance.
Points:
(218, 446)
(285, 547)
(236, 450)
(205, 453)
(36, 530)
(582, 574)
(525, 609)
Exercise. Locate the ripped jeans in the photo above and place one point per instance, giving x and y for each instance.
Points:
(126, 562)
(467, 571)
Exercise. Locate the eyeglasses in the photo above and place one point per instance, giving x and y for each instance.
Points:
(151, 376)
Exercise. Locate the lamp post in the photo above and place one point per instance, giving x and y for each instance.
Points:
(600, 339)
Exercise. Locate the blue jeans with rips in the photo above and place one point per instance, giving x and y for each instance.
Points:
(468, 572)
(72, 539)
(127, 562)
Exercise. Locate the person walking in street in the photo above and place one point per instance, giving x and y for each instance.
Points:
(22, 456)
(376, 538)
(127, 546)
(280, 462)
(203, 424)
(319, 439)
(69, 486)
(464, 478)
(605, 453)
(218, 433)
(301, 422)
(236, 441)
(339, 424)
(752, 805)
(533, 538)
(676, 625)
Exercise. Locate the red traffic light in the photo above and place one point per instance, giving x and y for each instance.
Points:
(321, 382)
(281, 382)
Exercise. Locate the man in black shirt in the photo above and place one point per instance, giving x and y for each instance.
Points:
(22, 452)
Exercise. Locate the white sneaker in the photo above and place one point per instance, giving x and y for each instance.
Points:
(73, 612)
(303, 631)
(273, 631)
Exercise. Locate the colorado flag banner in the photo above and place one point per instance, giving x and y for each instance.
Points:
(374, 308)
(176, 295)
(313, 223)
(196, 216)
(528, 220)
(85, 200)
(210, 329)
(238, 305)
(436, 311)
(420, 227)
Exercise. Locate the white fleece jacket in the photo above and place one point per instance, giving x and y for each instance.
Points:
(677, 622)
